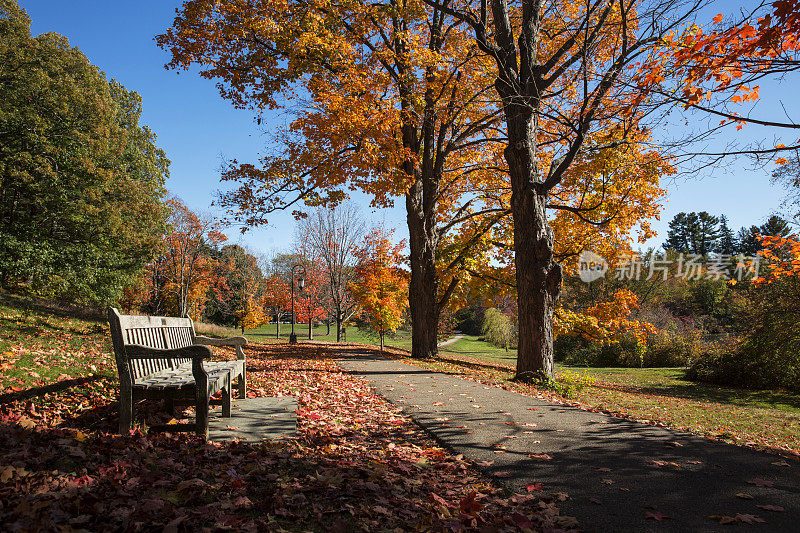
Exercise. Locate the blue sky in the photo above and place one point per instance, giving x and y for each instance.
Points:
(197, 128)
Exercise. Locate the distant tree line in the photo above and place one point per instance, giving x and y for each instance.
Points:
(702, 233)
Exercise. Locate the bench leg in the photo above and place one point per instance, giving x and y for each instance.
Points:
(169, 405)
(125, 413)
(201, 414)
(242, 385)
(226, 399)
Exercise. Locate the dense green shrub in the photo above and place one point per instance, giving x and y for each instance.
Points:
(769, 354)
(469, 320)
(569, 384)
(498, 329)
(664, 349)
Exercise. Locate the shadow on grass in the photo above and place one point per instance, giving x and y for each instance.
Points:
(53, 388)
(36, 304)
(712, 393)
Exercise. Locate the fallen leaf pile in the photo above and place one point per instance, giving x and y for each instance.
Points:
(355, 464)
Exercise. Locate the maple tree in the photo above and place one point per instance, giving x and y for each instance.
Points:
(561, 75)
(724, 65)
(380, 286)
(180, 278)
(276, 299)
(607, 322)
(310, 301)
(395, 105)
(396, 101)
(245, 288)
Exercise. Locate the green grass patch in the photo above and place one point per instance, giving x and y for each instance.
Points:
(38, 348)
(266, 333)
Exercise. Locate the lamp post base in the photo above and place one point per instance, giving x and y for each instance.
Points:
(292, 338)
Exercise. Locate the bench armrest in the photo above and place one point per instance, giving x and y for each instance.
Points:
(230, 341)
(238, 342)
(138, 351)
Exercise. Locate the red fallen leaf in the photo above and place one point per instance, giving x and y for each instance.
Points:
(530, 425)
(468, 504)
(743, 495)
(607, 481)
(723, 519)
(655, 515)
(595, 501)
(603, 469)
(748, 518)
(485, 463)
(441, 501)
(775, 508)
(533, 487)
(504, 473)
(540, 456)
(759, 482)
(522, 521)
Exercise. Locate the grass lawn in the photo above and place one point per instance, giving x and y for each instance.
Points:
(266, 333)
(658, 395)
(38, 348)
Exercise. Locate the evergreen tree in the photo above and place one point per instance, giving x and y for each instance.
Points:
(680, 231)
(726, 243)
(749, 243)
(695, 233)
(775, 226)
(706, 233)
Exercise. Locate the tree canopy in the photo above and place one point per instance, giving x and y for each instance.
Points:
(80, 179)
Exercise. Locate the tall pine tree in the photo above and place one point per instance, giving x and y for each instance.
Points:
(726, 243)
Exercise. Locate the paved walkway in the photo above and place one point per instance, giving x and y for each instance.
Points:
(616, 472)
(450, 341)
(254, 419)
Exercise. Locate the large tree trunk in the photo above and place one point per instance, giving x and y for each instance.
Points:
(538, 275)
(424, 284)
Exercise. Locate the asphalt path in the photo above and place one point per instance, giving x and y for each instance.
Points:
(620, 475)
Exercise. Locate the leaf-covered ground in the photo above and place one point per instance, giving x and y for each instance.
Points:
(355, 465)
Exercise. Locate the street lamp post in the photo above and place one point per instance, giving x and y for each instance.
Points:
(300, 285)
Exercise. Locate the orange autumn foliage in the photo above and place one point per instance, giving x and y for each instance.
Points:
(606, 321)
(381, 286)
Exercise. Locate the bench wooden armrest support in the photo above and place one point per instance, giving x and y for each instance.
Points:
(238, 342)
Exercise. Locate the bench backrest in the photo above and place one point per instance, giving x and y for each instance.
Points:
(161, 332)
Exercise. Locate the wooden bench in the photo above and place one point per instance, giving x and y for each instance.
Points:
(162, 358)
